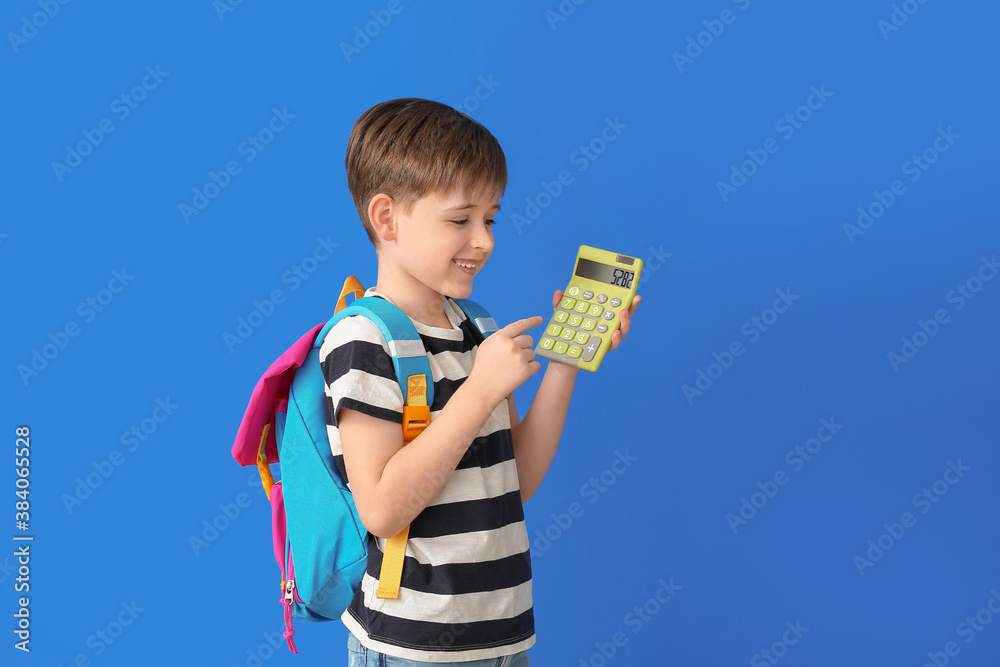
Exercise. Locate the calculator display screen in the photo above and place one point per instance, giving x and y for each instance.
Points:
(611, 275)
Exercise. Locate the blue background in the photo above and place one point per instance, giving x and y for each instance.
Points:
(546, 84)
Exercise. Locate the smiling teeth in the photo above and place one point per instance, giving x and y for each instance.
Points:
(466, 265)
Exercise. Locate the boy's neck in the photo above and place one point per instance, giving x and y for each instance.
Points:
(420, 303)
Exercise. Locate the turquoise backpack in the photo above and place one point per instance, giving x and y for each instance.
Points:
(312, 511)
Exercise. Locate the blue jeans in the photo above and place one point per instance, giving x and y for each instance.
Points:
(359, 656)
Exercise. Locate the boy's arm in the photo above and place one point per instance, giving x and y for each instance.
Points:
(537, 437)
(393, 483)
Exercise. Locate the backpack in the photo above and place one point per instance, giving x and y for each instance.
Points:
(312, 511)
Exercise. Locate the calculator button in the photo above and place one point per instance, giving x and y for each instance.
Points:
(567, 303)
(595, 310)
(561, 347)
(601, 328)
(548, 343)
(554, 330)
(588, 325)
(588, 295)
(582, 307)
(609, 314)
(573, 291)
(567, 334)
(602, 298)
(574, 321)
(561, 316)
(616, 302)
(574, 351)
(591, 349)
(582, 338)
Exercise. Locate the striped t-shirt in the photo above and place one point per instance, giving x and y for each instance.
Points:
(465, 593)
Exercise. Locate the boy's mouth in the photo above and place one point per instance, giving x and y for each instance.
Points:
(468, 265)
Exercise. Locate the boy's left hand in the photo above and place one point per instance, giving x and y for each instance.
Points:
(625, 316)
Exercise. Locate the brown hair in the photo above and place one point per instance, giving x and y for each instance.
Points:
(407, 148)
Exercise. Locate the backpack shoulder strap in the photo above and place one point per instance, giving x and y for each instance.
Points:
(478, 316)
(413, 372)
(409, 358)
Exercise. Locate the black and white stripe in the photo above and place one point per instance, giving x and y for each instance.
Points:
(466, 587)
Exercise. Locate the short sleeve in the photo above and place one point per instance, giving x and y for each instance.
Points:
(358, 371)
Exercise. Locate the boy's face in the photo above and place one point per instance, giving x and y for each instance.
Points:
(445, 239)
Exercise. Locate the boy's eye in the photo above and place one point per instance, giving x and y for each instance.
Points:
(462, 221)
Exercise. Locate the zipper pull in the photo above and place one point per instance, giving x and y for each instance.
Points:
(289, 588)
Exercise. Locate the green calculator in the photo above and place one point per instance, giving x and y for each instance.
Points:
(579, 333)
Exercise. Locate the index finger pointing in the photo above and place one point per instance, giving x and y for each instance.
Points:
(520, 326)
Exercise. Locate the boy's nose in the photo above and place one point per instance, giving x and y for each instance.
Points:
(483, 237)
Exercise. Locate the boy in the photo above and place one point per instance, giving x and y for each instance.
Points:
(427, 181)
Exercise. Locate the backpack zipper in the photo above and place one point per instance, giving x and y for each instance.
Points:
(286, 602)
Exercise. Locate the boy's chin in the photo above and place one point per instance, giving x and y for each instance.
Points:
(459, 291)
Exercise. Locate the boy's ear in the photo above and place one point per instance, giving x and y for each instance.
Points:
(381, 213)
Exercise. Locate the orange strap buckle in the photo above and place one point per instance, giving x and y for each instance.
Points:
(416, 412)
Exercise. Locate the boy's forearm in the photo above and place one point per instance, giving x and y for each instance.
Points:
(537, 437)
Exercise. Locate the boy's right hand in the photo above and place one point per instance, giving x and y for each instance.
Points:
(505, 360)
